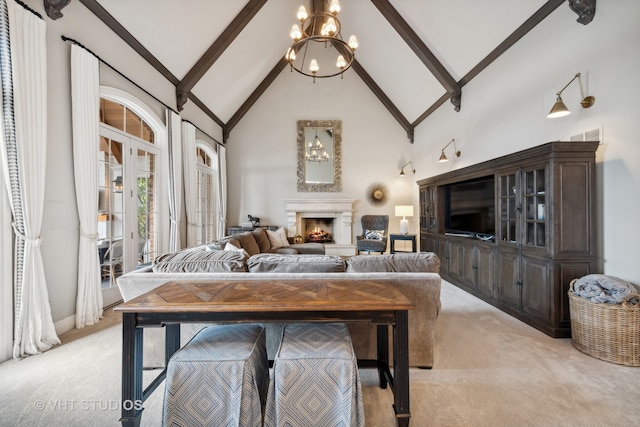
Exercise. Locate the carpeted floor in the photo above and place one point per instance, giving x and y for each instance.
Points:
(490, 370)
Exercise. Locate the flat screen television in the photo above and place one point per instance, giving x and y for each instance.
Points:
(470, 207)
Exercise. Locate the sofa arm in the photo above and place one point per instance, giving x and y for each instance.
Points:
(423, 290)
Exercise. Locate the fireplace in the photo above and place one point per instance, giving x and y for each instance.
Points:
(318, 230)
(337, 212)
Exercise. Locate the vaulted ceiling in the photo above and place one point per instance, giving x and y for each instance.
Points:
(222, 55)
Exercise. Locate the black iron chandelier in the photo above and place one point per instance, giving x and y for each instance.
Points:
(315, 35)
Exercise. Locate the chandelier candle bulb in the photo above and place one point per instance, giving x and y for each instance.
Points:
(296, 34)
(353, 42)
(302, 13)
(404, 211)
(335, 7)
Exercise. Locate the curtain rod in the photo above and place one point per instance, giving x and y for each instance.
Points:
(24, 6)
(206, 134)
(77, 43)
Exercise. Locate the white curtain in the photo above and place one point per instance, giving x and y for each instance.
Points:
(189, 171)
(6, 258)
(222, 192)
(85, 98)
(175, 178)
(26, 145)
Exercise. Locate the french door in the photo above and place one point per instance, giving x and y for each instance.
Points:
(128, 206)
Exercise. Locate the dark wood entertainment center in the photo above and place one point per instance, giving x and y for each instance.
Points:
(543, 213)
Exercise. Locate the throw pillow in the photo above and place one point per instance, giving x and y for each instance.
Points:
(200, 261)
(278, 238)
(231, 247)
(374, 234)
(248, 242)
(262, 239)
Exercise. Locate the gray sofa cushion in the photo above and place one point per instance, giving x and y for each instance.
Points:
(310, 248)
(287, 263)
(283, 250)
(427, 262)
(201, 261)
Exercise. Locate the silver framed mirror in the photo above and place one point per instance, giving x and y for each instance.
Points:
(319, 155)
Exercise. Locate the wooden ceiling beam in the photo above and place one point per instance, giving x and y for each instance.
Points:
(377, 91)
(544, 11)
(215, 50)
(128, 38)
(421, 50)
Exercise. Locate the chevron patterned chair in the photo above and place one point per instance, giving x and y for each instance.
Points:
(315, 379)
(219, 378)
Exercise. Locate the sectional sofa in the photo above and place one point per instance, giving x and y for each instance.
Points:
(415, 274)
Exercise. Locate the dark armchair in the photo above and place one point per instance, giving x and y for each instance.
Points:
(374, 234)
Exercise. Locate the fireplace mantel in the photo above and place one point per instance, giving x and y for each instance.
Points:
(339, 209)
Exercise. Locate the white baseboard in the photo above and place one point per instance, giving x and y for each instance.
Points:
(65, 325)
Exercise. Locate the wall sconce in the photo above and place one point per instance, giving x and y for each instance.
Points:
(117, 184)
(403, 166)
(561, 110)
(404, 211)
(443, 158)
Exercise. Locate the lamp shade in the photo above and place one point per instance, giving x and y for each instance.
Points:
(558, 109)
(404, 210)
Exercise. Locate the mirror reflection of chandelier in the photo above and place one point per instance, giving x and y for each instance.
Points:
(316, 152)
(311, 53)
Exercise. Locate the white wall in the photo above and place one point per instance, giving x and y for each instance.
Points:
(503, 110)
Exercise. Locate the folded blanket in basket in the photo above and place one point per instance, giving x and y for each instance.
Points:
(603, 288)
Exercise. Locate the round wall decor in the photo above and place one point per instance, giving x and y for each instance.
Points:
(377, 194)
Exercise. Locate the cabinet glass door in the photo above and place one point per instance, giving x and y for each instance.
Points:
(535, 208)
(428, 209)
(423, 208)
(507, 200)
(431, 209)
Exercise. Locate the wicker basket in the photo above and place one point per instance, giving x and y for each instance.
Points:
(609, 332)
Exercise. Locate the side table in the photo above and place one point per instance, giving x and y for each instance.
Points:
(394, 237)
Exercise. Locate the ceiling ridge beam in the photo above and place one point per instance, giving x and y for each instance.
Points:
(373, 86)
(253, 98)
(102, 14)
(212, 54)
(421, 50)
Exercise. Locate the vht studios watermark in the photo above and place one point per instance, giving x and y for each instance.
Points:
(87, 405)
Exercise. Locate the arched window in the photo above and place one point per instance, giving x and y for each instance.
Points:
(129, 185)
(206, 184)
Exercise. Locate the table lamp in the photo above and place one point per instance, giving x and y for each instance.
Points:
(404, 211)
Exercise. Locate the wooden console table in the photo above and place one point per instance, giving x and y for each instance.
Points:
(179, 302)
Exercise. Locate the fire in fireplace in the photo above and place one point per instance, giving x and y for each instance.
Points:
(318, 230)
